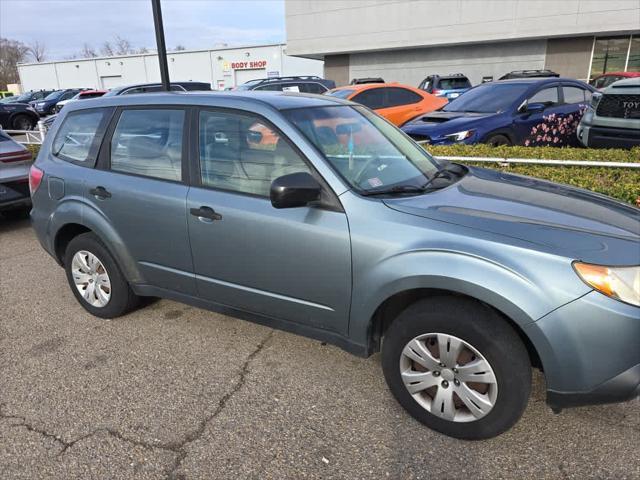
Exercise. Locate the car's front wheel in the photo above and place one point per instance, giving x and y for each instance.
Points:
(95, 278)
(458, 367)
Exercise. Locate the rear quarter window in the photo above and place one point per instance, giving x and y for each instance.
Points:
(80, 135)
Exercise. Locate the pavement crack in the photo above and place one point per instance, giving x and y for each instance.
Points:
(180, 447)
(32, 428)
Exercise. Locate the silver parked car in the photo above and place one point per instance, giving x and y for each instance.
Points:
(15, 160)
(315, 215)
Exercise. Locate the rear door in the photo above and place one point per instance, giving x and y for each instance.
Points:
(138, 187)
(401, 105)
(575, 100)
(291, 264)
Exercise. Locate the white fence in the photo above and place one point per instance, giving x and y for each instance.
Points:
(29, 137)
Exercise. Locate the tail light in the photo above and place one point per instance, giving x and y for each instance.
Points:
(35, 177)
(437, 93)
(16, 156)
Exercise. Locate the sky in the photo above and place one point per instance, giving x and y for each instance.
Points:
(64, 26)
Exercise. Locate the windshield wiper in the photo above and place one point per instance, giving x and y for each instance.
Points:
(410, 188)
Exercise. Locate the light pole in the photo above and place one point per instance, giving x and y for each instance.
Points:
(162, 48)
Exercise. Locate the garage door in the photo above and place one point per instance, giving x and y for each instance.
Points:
(111, 81)
(243, 76)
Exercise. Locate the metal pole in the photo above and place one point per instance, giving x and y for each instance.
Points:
(162, 49)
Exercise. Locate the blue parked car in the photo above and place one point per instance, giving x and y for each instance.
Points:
(447, 86)
(47, 105)
(529, 111)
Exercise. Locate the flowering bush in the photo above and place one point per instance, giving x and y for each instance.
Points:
(555, 130)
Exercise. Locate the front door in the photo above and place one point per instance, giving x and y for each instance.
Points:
(139, 188)
(542, 128)
(291, 264)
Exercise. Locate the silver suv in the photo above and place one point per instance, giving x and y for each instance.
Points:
(315, 215)
(613, 119)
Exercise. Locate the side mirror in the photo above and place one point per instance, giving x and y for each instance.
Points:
(294, 190)
(533, 107)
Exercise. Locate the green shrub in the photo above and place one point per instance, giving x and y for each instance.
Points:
(620, 183)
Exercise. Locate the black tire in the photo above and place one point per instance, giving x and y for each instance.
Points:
(23, 122)
(122, 298)
(489, 334)
(498, 140)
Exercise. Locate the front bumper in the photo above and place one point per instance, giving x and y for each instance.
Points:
(590, 351)
(608, 137)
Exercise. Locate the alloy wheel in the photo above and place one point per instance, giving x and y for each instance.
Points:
(91, 278)
(448, 377)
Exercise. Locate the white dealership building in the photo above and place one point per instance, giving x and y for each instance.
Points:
(222, 67)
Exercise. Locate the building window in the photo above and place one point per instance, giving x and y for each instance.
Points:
(615, 54)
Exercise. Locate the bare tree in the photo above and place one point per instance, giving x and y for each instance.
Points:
(122, 46)
(37, 50)
(143, 50)
(179, 48)
(88, 51)
(107, 49)
(11, 53)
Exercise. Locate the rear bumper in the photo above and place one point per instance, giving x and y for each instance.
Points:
(14, 194)
(590, 351)
(608, 137)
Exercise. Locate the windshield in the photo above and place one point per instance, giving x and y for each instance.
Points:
(344, 93)
(25, 97)
(248, 85)
(54, 95)
(367, 151)
(488, 98)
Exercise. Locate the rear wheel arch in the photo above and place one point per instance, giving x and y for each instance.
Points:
(388, 311)
(64, 235)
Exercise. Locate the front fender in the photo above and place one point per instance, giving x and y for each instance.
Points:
(521, 297)
(73, 208)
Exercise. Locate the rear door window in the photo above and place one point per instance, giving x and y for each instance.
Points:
(314, 88)
(397, 96)
(80, 135)
(372, 98)
(148, 142)
(575, 94)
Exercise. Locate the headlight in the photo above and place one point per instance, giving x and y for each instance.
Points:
(595, 99)
(459, 136)
(621, 283)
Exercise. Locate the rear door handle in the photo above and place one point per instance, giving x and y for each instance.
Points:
(100, 192)
(207, 213)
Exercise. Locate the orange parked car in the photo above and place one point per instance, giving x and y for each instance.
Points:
(395, 102)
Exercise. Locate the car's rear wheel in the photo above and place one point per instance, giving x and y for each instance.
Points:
(23, 122)
(95, 278)
(458, 367)
(498, 140)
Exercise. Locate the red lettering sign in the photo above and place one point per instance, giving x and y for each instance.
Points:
(248, 65)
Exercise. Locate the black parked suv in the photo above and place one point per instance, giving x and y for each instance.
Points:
(27, 97)
(18, 116)
(304, 84)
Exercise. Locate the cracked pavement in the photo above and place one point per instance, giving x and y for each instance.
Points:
(175, 392)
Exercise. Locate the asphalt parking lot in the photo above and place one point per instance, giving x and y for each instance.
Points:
(174, 392)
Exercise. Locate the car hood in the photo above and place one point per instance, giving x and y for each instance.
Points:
(435, 122)
(567, 221)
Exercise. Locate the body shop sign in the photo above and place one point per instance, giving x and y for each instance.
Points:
(248, 65)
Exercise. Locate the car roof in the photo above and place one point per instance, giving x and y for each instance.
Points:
(626, 83)
(230, 99)
(620, 74)
(367, 86)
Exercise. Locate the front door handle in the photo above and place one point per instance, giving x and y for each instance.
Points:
(205, 213)
(100, 192)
